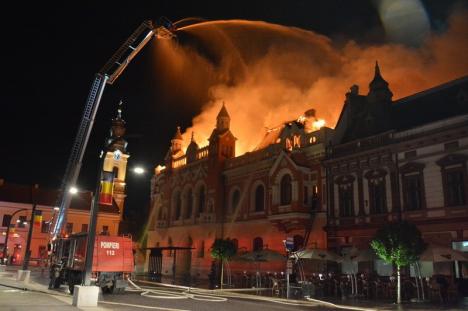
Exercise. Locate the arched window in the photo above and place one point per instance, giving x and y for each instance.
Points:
(286, 190)
(257, 244)
(115, 171)
(260, 198)
(235, 200)
(298, 242)
(188, 213)
(178, 206)
(201, 200)
(236, 243)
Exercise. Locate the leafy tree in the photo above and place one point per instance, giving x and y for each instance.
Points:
(223, 250)
(398, 243)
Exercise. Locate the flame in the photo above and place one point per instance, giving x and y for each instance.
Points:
(318, 124)
(268, 74)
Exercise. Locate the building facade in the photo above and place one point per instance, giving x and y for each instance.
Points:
(404, 159)
(257, 199)
(385, 160)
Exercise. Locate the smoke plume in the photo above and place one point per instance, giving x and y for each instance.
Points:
(267, 74)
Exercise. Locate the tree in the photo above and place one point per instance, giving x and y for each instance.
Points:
(223, 250)
(398, 243)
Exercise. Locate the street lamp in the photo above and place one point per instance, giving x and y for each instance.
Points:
(73, 190)
(139, 170)
(5, 247)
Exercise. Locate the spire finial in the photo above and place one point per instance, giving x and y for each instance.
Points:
(178, 134)
(377, 69)
(192, 139)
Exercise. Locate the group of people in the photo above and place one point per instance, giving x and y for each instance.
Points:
(341, 286)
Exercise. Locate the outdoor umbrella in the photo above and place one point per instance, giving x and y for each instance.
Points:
(261, 255)
(436, 253)
(360, 255)
(319, 254)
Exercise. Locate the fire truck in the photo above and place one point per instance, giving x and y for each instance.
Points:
(112, 262)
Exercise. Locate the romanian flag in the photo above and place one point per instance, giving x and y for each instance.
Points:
(107, 186)
(37, 219)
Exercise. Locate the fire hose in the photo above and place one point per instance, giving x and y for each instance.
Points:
(165, 294)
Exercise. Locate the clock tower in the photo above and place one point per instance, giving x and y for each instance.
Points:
(116, 158)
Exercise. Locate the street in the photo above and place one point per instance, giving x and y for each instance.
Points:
(152, 296)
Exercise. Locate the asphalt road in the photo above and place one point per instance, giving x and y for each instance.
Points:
(175, 299)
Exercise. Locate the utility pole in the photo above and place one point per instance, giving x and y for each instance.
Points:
(27, 255)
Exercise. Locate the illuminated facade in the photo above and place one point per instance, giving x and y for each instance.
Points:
(259, 199)
(332, 188)
(403, 159)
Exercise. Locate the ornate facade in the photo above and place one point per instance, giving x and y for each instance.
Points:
(403, 159)
(258, 199)
(385, 160)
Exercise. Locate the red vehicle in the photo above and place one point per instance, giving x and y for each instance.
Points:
(112, 262)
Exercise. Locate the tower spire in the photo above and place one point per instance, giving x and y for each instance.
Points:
(223, 119)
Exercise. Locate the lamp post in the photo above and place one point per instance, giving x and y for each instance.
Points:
(27, 255)
(5, 248)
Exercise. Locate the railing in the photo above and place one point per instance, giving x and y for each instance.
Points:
(202, 153)
(181, 161)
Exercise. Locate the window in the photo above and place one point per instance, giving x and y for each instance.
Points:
(236, 243)
(6, 220)
(413, 192)
(201, 250)
(455, 187)
(259, 198)
(69, 228)
(257, 244)
(306, 195)
(454, 179)
(45, 227)
(413, 186)
(201, 200)
(298, 242)
(42, 251)
(346, 200)
(410, 154)
(105, 230)
(377, 195)
(451, 145)
(286, 190)
(84, 228)
(21, 221)
(189, 199)
(178, 206)
(235, 200)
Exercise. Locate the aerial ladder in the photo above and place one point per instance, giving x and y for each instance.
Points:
(107, 75)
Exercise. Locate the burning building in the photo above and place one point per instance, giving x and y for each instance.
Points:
(321, 187)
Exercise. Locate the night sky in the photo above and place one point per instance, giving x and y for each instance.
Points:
(52, 51)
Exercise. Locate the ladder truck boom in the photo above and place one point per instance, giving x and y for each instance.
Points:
(107, 75)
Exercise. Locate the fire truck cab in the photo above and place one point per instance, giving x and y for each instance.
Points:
(113, 262)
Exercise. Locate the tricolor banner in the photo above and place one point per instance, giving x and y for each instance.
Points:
(37, 219)
(107, 186)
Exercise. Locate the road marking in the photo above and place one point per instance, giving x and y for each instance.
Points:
(141, 306)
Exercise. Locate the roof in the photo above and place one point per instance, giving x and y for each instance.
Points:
(10, 192)
(272, 134)
(363, 117)
(223, 112)
(438, 103)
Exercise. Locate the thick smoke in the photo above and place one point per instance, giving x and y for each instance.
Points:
(267, 74)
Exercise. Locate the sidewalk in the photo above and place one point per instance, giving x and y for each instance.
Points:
(35, 295)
